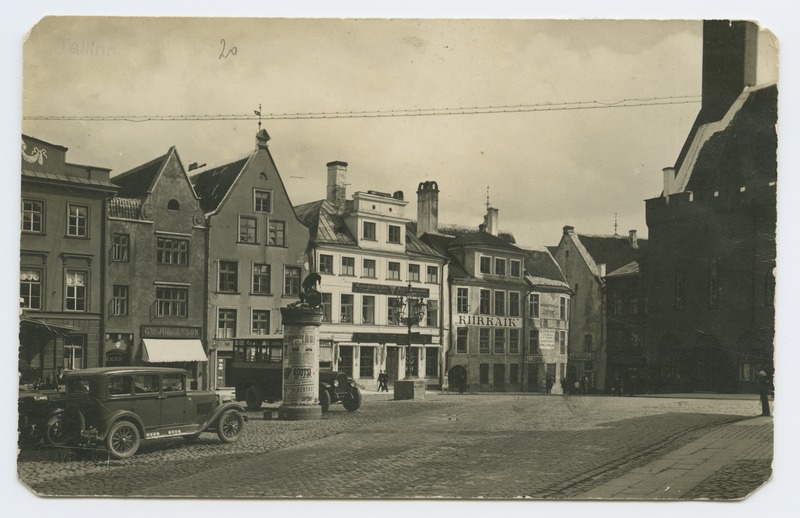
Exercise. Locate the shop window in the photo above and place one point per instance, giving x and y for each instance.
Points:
(366, 361)
(431, 362)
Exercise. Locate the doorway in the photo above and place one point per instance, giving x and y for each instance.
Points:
(499, 379)
(392, 362)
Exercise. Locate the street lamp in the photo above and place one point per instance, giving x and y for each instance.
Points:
(410, 311)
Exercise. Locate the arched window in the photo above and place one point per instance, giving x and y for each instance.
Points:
(174, 205)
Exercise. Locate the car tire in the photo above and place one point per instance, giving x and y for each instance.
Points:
(252, 398)
(54, 431)
(230, 426)
(352, 403)
(122, 440)
(324, 399)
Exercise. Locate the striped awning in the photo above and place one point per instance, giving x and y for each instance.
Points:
(157, 350)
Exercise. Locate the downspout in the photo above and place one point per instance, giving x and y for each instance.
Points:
(449, 292)
(212, 379)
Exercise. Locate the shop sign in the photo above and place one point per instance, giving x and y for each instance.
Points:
(392, 338)
(171, 332)
(396, 291)
(534, 358)
(549, 311)
(479, 320)
(258, 341)
(547, 338)
(581, 357)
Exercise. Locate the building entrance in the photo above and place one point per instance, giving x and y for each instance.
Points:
(392, 362)
(499, 379)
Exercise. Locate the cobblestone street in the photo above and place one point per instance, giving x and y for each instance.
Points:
(453, 446)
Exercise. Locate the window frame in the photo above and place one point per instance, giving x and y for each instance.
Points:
(289, 287)
(514, 308)
(390, 238)
(369, 272)
(251, 230)
(534, 305)
(499, 340)
(391, 271)
(366, 318)
(38, 281)
(177, 252)
(120, 251)
(499, 303)
(485, 303)
(484, 340)
(256, 199)
(462, 300)
(275, 230)
(414, 276)
(257, 275)
(176, 306)
(226, 322)
(500, 264)
(228, 279)
(372, 234)
(515, 264)
(78, 218)
(432, 274)
(348, 270)
(80, 292)
(29, 216)
(343, 304)
(258, 324)
(488, 260)
(465, 340)
(325, 264)
(120, 300)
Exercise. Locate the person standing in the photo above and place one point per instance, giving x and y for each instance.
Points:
(764, 390)
(382, 382)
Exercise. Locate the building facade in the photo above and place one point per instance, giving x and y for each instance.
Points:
(256, 252)
(371, 264)
(62, 252)
(628, 364)
(156, 274)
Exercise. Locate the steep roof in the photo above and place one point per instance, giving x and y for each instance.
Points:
(138, 182)
(631, 268)
(127, 208)
(212, 185)
(542, 270)
(481, 238)
(613, 251)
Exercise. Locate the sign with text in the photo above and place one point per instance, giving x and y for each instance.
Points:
(549, 311)
(534, 358)
(480, 320)
(391, 338)
(581, 357)
(547, 338)
(394, 291)
(171, 332)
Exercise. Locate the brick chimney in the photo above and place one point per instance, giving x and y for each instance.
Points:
(492, 221)
(669, 180)
(632, 239)
(336, 192)
(427, 208)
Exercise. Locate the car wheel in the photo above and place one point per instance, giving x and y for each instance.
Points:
(253, 398)
(54, 431)
(353, 402)
(122, 440)
(324, 399)
(231, 424)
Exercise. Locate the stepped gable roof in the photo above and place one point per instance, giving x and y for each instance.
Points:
(139, 181)
(542, 269)
(613, 251)
(632, 268)
(212, 185)
(127, 208)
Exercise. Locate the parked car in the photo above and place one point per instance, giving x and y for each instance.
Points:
(338, 387)
(119, 407)
(39, 416)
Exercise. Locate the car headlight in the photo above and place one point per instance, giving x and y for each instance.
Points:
(335, 383)
(40, 397)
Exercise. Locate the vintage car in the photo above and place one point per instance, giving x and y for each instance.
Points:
(338, 387)
(119, 407)
(38, 411)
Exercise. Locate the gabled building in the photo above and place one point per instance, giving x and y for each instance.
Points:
(710, 267)
(370, 263)
(156, 274)
(256, 252)
(62, 261)
(585, 260)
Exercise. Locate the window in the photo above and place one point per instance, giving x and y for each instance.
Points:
(32, 216)
(120, 248)
(462, 300)
(557, 338)
(348, 266)
(291, 280)
(226, 323)
(633, 306)
(262, 279)
(499, 341)
(533, 305)
(172, 251)
(347, 309)
(413, 272)
(172, 302)
(260, 320)
(228, 276)
(346, 359)
(499, 266)
(277, 233)
(587, 343)
(516, 268)
(394, 234)
(679, 287)
(368, 268)
(30, 289)
(562, 348)
(369, 231)
(513, 341)
(563, 308)
(367, 309)
(618, 303)
(513, 304)
(431, 362)
(262, 201)
(145, 383)
(433, 275)
(484, 373)
(173, 205)
(432, 314)
(366, 361)
(119, 300)
(173, 383)
(500, 303)
(393, 272)
(327, 301)
(247, 229)
(394, 304)
(533, 341)
(486, 264)
(713, 284)
(325, 263)
(485, 305)
(74, 352)
(77, 220)
(483, 340)
(76, 291)
(462, 339)
(513, 373)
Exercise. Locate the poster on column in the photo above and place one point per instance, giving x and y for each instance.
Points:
(301, 370)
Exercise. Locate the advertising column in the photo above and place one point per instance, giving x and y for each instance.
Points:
(300, 364)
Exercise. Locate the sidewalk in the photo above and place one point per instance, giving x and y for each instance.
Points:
(701, 469)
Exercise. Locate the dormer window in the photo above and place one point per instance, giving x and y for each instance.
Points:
(173, 205)
(370, 231)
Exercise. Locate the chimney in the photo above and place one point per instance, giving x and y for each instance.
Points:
(632, 239)
(492, 220)
(262, 137)
(568, 229)
(427, 208)
(669, 180)
(337, 190)
(601, 270)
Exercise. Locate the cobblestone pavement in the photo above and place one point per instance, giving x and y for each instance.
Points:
(452, 446)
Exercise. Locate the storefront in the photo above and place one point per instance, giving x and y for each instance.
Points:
(175, 346)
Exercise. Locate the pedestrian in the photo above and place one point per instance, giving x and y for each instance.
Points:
(615, 386)
(60, 376)
(382, 382)
(764, 390)
(585, 384)
(462, 383)
(576, 387)
(564, 385)
(549, 384)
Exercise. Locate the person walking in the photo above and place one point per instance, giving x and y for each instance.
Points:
(764, 390)
(382, 382)
(549, 384)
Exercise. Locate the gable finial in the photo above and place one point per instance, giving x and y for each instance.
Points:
(258, 112)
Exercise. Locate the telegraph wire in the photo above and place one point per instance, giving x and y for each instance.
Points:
(367, 114)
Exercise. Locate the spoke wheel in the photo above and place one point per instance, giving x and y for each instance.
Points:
(231, 424)
(122, 440)
(54, 431)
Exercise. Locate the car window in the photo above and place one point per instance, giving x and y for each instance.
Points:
(145, 383)
(77, 386)
(118, 385)
(173, 383)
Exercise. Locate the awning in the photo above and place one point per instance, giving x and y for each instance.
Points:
(168, 351)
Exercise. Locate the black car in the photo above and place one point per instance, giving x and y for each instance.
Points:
(39, 416)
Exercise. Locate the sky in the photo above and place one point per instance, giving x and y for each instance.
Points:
(543, 169)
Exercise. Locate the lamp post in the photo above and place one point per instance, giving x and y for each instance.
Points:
(410, 312)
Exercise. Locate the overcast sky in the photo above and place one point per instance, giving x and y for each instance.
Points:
(543, 169)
